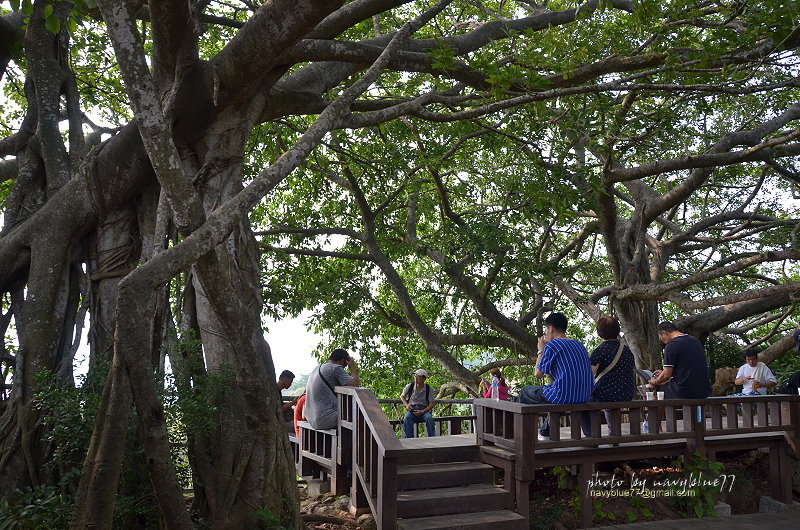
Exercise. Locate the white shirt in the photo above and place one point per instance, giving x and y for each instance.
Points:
(760, 372)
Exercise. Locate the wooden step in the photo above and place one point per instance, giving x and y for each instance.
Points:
(439, 455)
(495, 519)
(443, 501)
(445, 475)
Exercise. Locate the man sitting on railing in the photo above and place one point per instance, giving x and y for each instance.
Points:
(417, 397)
(685, 373)
(567, 362)
(321, 403)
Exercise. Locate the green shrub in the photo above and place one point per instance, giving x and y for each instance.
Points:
(40, 508)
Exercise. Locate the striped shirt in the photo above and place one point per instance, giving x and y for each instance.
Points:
(567, 362)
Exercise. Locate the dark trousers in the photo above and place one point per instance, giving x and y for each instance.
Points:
(533, 395)
(586, 420)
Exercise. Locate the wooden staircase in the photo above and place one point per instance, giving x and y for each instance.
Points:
(448, 487)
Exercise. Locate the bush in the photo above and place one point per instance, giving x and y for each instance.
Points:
(43, 507)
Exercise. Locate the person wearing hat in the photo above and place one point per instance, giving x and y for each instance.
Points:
(417, 397)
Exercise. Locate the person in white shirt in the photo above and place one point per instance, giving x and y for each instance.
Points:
(754, 376)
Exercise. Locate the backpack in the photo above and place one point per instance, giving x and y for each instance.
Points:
(790, 386)
(410, 388)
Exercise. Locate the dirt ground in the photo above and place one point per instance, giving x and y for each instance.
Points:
(553, 496)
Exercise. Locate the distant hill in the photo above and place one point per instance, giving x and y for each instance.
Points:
(298, 386)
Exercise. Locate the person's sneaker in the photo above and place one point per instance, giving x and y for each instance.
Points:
(543, 438)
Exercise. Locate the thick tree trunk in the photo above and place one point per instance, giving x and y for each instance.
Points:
(252, 462)
(639, 321)
(113, 252)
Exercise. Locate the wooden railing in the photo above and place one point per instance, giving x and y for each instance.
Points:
(507, 432)
(446, 423)
(371, 448)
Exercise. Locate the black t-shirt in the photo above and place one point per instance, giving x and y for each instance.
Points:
(616, 385)
(689, 368)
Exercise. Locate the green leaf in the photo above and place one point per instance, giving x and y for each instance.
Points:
(52, 23)
(48, 10)
(646, 512)
(14, 5)
(72, 25)
(27, 7)
(698, 510)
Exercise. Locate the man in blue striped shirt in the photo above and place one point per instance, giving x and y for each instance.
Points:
(566, 361)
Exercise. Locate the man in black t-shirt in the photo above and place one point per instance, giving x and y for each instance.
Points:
(685, 373)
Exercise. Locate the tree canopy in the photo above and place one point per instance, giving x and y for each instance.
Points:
(430, 179)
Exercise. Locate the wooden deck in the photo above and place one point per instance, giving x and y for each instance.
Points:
(507, 436)
(449, 481)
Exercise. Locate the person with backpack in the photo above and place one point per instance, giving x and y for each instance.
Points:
(417, 397)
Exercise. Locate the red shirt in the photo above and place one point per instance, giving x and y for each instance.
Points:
(298, 413)
(502, 391)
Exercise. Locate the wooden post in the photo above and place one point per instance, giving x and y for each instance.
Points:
(342, 459)
(524, 440)
(699, 419)
(584, 475)
(386, 502)
(780, 473)
(358, 499)
(522, 497)
(480, 414)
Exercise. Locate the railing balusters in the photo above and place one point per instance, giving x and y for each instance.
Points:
(635, 420)
(575, 425)
(761, 414)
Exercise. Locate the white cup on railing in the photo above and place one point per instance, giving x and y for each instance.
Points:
(651, 395)
(660, 395)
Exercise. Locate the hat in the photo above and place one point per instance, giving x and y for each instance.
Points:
(796, 337)
(421, 372)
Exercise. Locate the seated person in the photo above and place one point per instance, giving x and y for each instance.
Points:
(299, 414)
(790, 386)
(418, 397)
(502, 389)
(321, 409)
(685, 373)
(612, 363)
(567, 362)
(754, 376)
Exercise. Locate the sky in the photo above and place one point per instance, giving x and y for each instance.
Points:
(292, 345)
(289, 339)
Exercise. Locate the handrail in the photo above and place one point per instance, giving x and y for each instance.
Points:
(374, 417)
(469, 401)
(373, 454)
